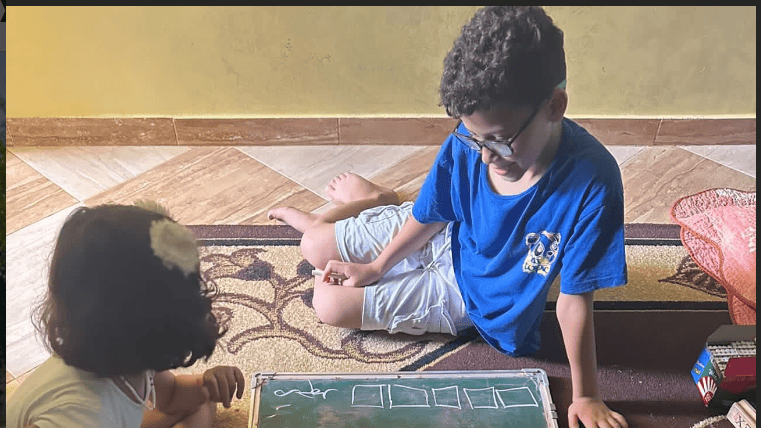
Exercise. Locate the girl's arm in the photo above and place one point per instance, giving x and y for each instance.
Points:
(186, 393)
(179, 394)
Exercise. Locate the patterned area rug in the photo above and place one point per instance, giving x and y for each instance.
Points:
(265, 302)
(662, 275)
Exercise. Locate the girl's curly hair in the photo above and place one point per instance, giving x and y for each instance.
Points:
(112, 307)
(506, 55)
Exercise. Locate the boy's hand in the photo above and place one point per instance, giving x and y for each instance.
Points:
(221, 382)
(355, 274)
(593, 413)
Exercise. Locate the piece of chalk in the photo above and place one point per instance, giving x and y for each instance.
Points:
(318, 272)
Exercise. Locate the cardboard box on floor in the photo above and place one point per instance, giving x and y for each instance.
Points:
(725, 371)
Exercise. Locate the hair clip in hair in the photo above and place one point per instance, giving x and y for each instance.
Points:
(175, 245)
(152, 206)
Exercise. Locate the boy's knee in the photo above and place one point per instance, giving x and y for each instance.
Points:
(311, 245)
(325, 307)
(318, 244)
(331, 310)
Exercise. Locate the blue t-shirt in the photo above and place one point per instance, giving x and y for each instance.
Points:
(507, 250)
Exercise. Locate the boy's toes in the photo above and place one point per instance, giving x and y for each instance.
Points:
(339, 178)
(277, 213)
(330, 189)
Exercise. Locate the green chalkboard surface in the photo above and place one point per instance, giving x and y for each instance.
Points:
(499, 398)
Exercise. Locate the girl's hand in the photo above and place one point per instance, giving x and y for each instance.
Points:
(222, 382)
(354, 274)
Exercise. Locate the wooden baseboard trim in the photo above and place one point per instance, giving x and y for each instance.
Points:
(343, 131)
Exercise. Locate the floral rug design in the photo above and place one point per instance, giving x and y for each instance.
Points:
(265, 293)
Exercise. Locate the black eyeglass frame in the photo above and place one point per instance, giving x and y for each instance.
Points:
(503, 148)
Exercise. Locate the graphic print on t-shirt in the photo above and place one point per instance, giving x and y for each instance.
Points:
(542, 251)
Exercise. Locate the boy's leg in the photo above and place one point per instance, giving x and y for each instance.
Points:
(337, 305)
(352, 194)
(334, 304)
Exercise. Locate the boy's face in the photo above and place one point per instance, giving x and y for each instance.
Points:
(502, 123)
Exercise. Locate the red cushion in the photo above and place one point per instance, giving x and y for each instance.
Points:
(719, 232)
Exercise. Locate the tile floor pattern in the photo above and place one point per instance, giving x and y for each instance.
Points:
(238, 185)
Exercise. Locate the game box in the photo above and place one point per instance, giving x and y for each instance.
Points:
(725, 371)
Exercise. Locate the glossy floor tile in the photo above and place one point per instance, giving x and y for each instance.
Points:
(238, 185)
(739, 158)
(28, 252)
(314, 167)
(658, 176)
(208, 185)
(86, 171)
(29, 195)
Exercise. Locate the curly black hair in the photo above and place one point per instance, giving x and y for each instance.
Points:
(506, 55)
(112, 307)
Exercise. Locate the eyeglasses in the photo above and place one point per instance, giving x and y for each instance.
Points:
(502, 148)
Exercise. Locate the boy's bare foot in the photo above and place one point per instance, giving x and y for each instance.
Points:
(300, 220)
(348, 187)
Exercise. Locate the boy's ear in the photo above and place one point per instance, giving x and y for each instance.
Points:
(558, 104)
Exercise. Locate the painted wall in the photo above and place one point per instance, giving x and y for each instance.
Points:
(640, 61)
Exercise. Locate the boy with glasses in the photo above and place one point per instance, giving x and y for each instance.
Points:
(517, 195)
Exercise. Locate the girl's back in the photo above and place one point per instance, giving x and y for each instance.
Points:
(59, 395)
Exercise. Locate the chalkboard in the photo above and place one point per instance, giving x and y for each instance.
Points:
(499, 398)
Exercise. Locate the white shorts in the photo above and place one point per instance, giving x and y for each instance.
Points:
(420, 293)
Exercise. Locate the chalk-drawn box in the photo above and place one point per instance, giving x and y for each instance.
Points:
(432, 399)
(725, 371)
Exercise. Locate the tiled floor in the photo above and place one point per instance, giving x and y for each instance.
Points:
(228, 185)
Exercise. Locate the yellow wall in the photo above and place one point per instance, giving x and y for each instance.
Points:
(640, 61)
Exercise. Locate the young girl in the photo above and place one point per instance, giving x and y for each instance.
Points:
(125, 303)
